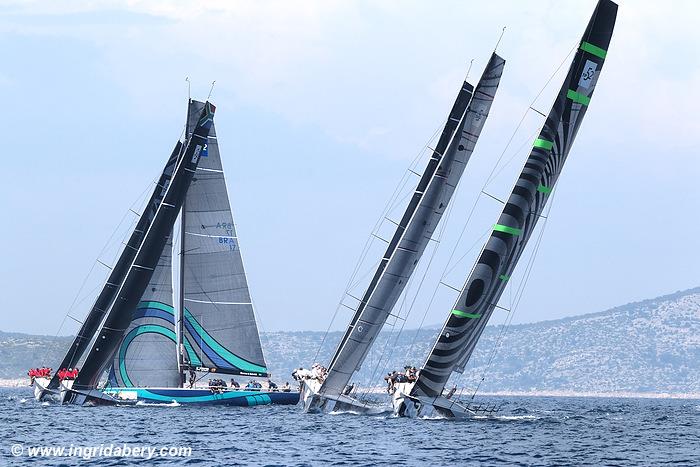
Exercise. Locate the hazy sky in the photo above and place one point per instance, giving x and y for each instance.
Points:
(321, 106)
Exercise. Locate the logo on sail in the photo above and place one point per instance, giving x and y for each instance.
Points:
(195, 156)
(588, 74)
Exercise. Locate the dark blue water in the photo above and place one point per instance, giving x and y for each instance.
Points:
(527, 431)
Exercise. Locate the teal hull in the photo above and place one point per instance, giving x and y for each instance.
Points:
(182, 396)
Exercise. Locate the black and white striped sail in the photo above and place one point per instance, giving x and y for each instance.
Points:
(103, 301)
(141, 269)
(219, 327)
(415, 229)
(516, 223)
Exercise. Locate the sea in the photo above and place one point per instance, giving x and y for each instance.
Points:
(525, 431)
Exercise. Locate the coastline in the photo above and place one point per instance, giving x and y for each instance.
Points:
(24, 383)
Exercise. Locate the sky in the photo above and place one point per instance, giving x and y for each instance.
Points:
(321, 108)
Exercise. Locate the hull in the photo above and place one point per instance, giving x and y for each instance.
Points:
(314, 402)
(39, 385)
(405, 405)
(402, 404)
(182, 396)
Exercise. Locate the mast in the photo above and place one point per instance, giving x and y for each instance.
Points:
(142, 266)
(516, 223)
(181, 277)
(423, 213)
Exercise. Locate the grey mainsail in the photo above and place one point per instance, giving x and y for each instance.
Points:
(219, 321)
(119, 316)
(414, 231)
(498, 259)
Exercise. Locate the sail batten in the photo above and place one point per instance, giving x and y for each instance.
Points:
(414, 231)
(516, 223)
(216, 301)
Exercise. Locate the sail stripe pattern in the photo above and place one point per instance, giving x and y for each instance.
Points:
(423, 213)
(482, 290)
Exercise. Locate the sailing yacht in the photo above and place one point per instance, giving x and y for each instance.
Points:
(154, 340)
(488, 279)
(328, 390)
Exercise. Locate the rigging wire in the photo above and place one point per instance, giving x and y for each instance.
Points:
(497, 169)
(503, 31)
(370, 240)
(76, 299)
(520, 290)
(494, 173)
(211, 89)
(471, 62)
(141, 200)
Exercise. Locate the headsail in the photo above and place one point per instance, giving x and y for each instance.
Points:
(516, 223)
(141, 269)
(219, 321)
(116, 277)
(146, 357)
(414, 231)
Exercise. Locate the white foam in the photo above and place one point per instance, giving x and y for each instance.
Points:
(174, 403)
(505, 417)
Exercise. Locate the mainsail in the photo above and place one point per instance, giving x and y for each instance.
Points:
(425, 209)
(144, 263)
(218, 318)
(517, 221)
(116, 277)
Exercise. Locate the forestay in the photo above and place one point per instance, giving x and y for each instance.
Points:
(219, 321)
(517, 221)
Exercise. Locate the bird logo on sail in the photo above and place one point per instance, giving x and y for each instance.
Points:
(588, 74)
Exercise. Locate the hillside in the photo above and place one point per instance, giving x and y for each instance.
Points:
(648, 346)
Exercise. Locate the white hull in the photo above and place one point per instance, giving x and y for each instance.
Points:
(66, 386)
(402, 404)
(405, 405)
(59, 395)
(40, 385)
(314, 402)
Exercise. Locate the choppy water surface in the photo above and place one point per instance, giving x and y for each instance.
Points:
(526, 431)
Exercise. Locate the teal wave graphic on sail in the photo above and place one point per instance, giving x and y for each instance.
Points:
(217, 353)
(146, 329)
